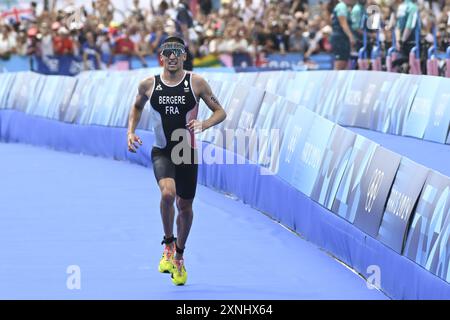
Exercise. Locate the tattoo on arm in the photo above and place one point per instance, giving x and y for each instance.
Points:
(141, 98)
(214, 99)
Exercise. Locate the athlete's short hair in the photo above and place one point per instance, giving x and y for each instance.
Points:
(174, 39)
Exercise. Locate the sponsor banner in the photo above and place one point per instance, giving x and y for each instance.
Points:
(365, 99)
(295, 86)
(350, 192)
(296, 134)
(383, 103)
(242, 60)
(277, 120)
(313, 87)
(335, 159)
(400, 99)
(295, 60)
(349, 107)
(24, 90)
(422, 107)
(375, 186)
(328, 101)
(309, 158)
(438, 124)
(7, 80)
(402, 199)
(428, 237)
(67, 65)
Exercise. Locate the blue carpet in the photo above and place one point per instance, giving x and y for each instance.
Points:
(59, 209)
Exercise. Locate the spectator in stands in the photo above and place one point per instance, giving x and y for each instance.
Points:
(33, 43)
(62, 43)
(46, 43)
(105, 47)
(125, 46)
(163, 7)
(205, 7)
(407, 15)
(357, 14)
(184, 27)
(91, 55)
(250, 10)
(239, 43)
(137, 12)
(297, 42)
(342, 39)
(21, 43)
(7, 42)
(157, 36)
(269, 26)
(279, 39)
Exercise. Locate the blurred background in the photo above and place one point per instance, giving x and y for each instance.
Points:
(126, 34)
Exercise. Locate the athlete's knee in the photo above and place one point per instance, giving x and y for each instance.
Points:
(168, 195)
(184, 206)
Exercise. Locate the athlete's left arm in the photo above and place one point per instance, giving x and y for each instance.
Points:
(203, 90)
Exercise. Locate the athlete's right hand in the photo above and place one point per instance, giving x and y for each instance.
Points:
(132, 138)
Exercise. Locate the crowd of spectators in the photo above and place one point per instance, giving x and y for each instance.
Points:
(211, 27)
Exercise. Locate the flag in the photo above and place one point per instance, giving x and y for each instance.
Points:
(17, 14)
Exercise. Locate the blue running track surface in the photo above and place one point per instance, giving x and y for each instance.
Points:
(59, 210)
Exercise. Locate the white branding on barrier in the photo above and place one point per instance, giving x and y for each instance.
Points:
(246, 120)
(399, 204)
(368, 96)
(311, 155)
(353, 97)
(374, 189)
(440, 109)
(421, 106)
(292, 142)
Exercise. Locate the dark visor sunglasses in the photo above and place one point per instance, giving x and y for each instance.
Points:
(168, 52)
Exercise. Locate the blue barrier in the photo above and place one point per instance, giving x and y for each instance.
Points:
(352, 178)
(404, 195)
(72, 65)
(401, 278)
(289, 60)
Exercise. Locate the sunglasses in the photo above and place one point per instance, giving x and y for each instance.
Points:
(176, 52)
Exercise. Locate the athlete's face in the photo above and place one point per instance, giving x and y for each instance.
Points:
(173, 59)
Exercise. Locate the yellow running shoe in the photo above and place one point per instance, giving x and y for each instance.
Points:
(165, 264)
(179, 274)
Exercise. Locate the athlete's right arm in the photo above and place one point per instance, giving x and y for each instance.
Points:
(136, 112)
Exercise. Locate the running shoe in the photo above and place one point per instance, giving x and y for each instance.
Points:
(179, 274)
(165, 264)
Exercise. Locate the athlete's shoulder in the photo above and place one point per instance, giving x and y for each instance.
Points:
(147, 82)
(146, 85)
(197, 79)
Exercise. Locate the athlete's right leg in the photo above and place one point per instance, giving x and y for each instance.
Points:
(167, 187)
(164, 171)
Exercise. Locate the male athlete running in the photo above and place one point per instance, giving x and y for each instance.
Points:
(174, 96)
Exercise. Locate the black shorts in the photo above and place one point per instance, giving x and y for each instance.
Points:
(185, 175)
(340, 47)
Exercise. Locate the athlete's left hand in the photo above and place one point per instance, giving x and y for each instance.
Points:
(196, 126)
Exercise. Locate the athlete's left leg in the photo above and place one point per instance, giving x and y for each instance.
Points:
(186, 184)
(184, 223)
